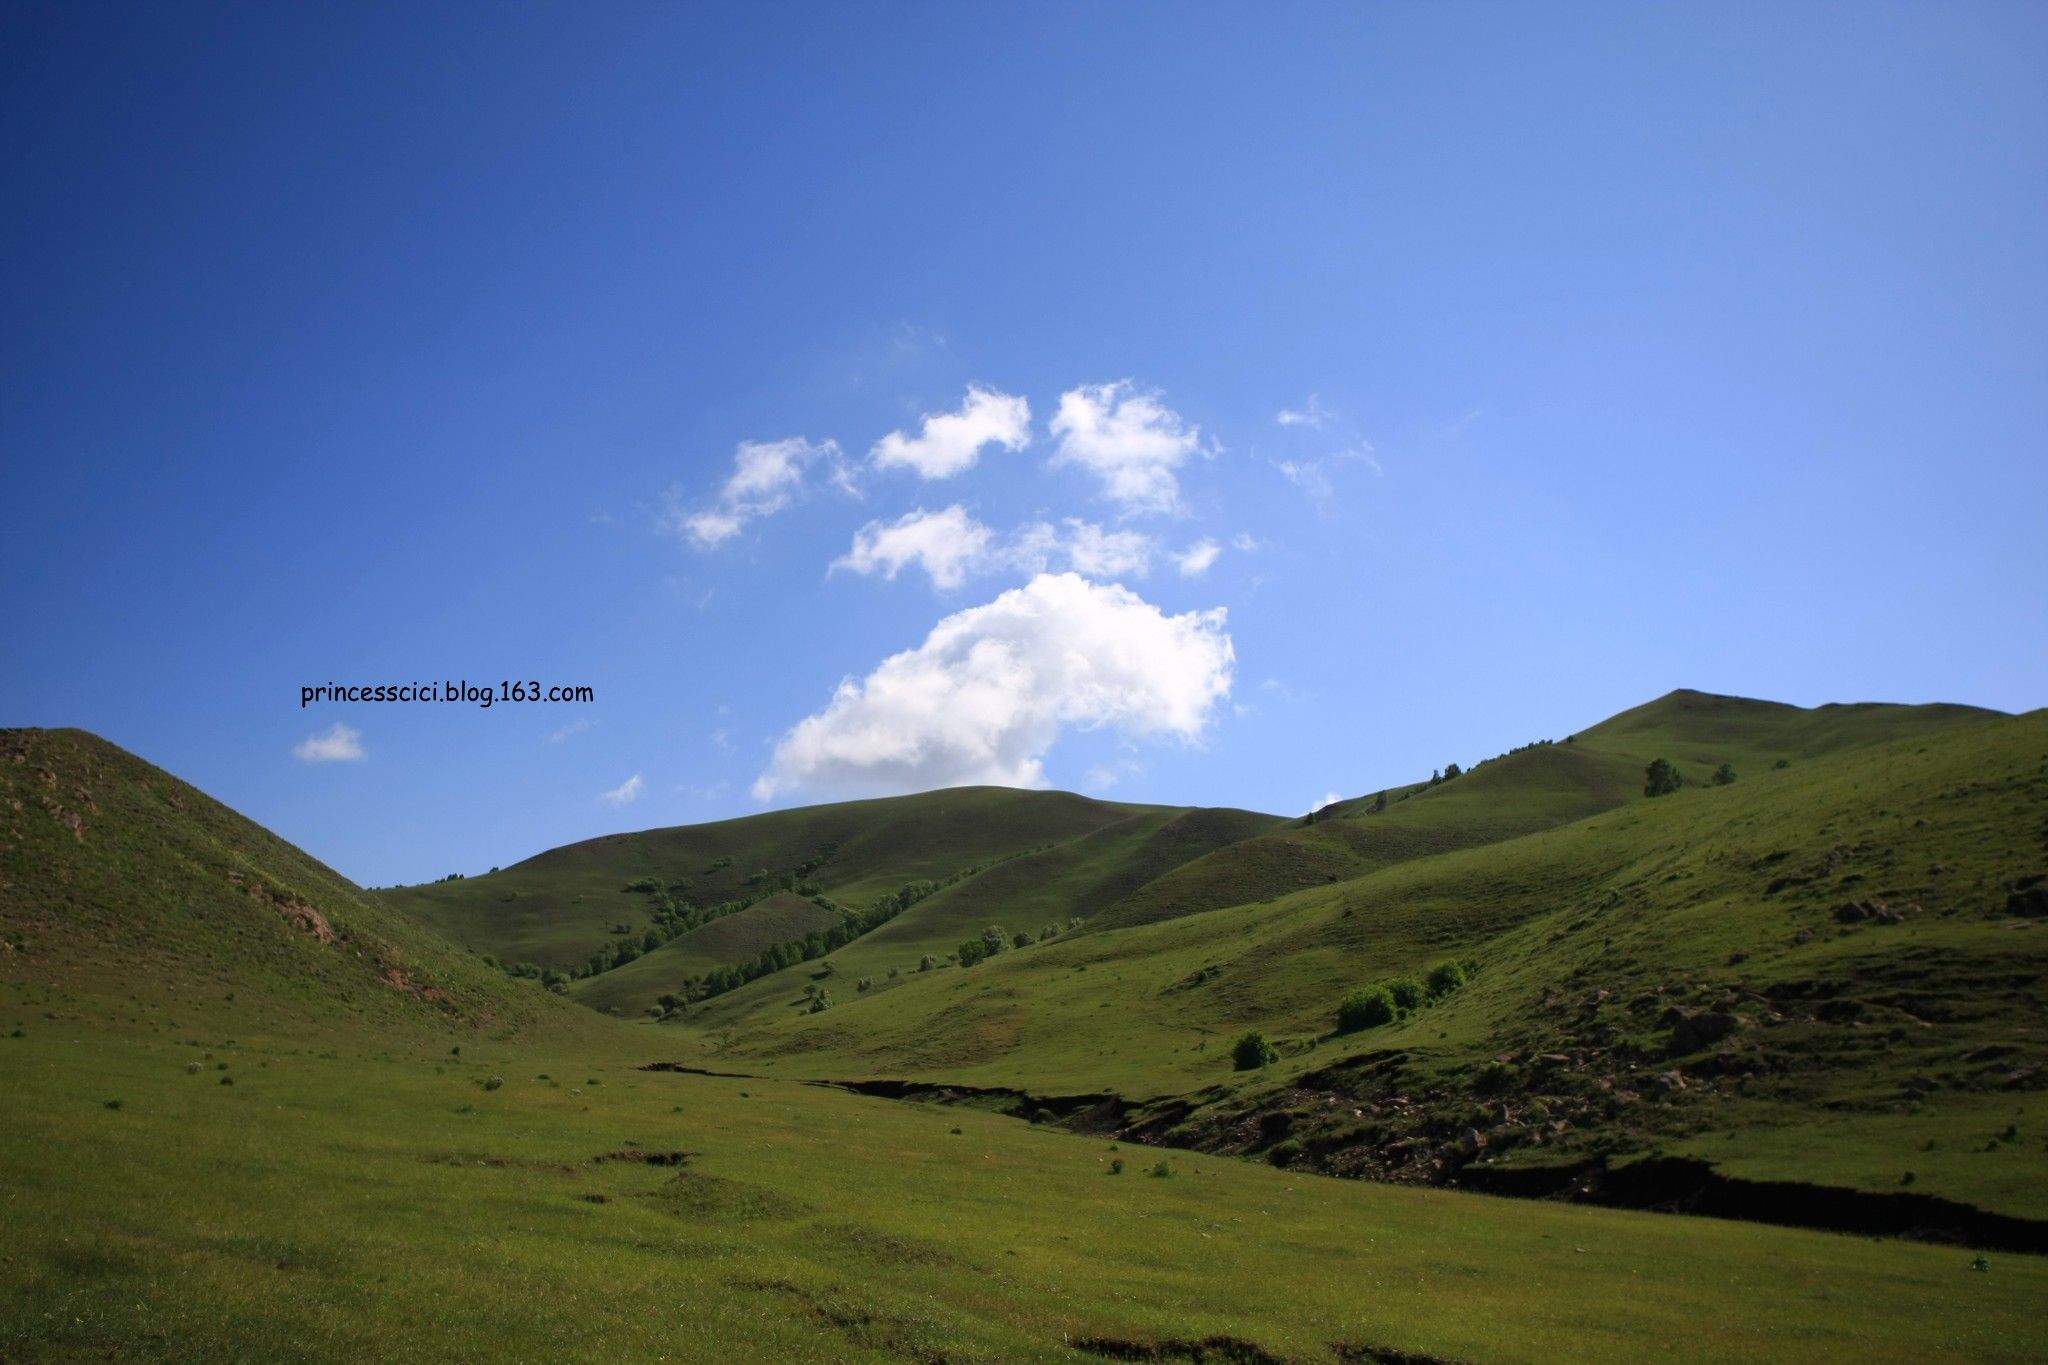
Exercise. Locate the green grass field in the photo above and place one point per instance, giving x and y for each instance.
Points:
(254, 1112)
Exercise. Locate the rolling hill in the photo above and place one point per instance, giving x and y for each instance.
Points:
(1843, 918)
(555, 908)
(1537, 787)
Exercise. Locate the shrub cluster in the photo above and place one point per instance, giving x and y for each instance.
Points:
(1385, 1001)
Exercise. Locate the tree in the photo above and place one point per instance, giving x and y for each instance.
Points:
(1253, 1051)
(1452, 770)
(1724, 775)
(972, 951)
(820, 1002)
(1366, 1007)
(1662, 778)
(1023, 940)
(1445, 977)
(994, 939)
(1379, 803)
(927, 962)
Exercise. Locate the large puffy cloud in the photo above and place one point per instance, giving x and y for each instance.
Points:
(991, 688)
(766, 477)
(950, 442)
(947, 545)
(1128, 440)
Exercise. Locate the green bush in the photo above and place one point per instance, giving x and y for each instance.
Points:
(1160, 1171)
(1366, 1007)
(1407, 992)
(1445, 977)
(1253, 1051)
(1662, 778)
(1724, 775)
(494, 1082)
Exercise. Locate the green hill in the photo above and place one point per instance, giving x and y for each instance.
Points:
(128, 893)
(1033, 859)
(1538, 787)
(556, 908)
(1917, 1018)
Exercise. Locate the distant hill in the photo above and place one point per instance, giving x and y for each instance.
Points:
(1539, 787)
(118, 882)
(1038, 855)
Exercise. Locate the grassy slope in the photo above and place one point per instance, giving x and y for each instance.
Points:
(736, 937)
(1651, 904)
(1048, 887)
(556, 908)
(360, 1191)
(111, 868)
(1539, 788)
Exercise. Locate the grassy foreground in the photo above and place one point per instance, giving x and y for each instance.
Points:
(384, 1203)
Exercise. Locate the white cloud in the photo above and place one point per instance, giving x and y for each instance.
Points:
(985, 696)
(1245, 541)
(1084, 547)
(766, 477)
(1129, 440)
(625, 793)
(1310, 476)
(951, 547)
(340, 744)
(947, 545)
(948, 443)
(1329, 799)
(573, 728)
(1311, 414)
(1194, 561)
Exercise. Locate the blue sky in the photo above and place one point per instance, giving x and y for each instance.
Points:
(1630, 347)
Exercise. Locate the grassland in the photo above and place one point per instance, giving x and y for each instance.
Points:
(382, 1203)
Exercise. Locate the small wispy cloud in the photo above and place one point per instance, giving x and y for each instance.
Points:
(1194, 561)
(1311, 414)
(337, 744)
(1313, 477)
(766, 477)
(1329, 799)
(625, 793)
(951, 546)
(571, 730)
